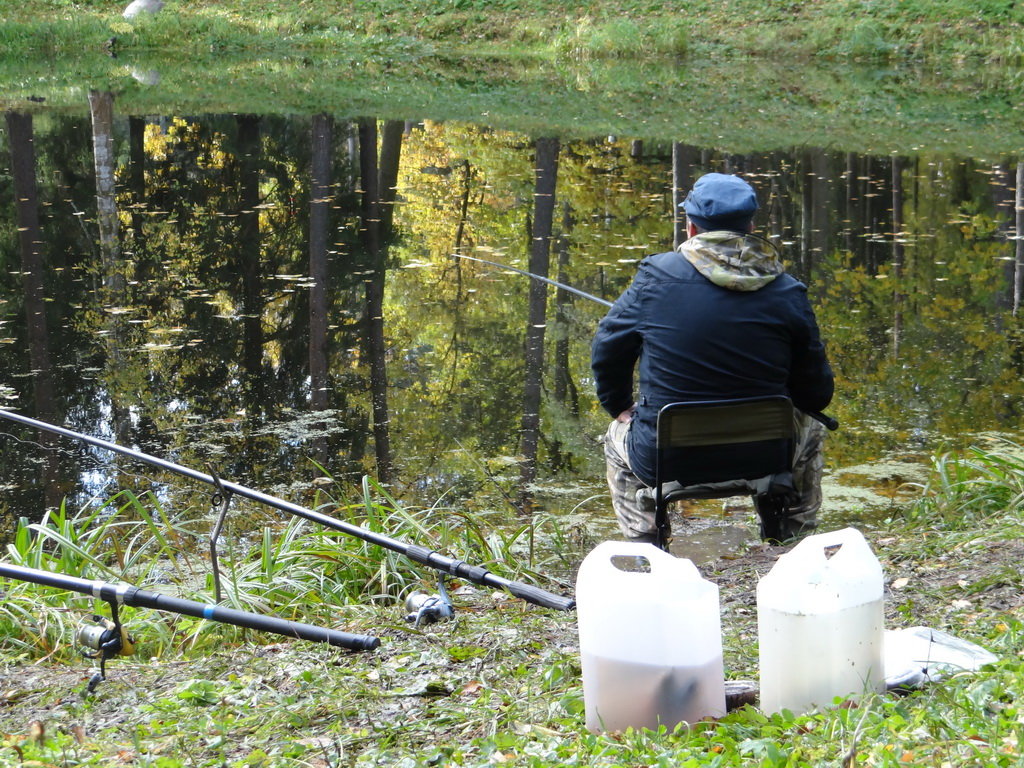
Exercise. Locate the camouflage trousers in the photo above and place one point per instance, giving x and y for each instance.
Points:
(636, 516)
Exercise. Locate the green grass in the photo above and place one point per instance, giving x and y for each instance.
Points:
(933, 28)
(293, 569)
(517, 702)
(855, 76)
(621, 38)
(962, 110)
(499, 684)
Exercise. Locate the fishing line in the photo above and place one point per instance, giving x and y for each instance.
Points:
(543, 279)
(96, 464)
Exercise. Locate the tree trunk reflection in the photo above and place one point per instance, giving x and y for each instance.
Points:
(112, 297)
(1018, 261)
(101, 106)
(546, 173)
(898, 296)
(30, 240)
(249, 253)
(378, 184)
(319, 227)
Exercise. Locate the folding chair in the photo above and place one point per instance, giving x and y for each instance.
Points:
(720, 448)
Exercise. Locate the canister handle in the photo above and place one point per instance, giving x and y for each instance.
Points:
(658, 559)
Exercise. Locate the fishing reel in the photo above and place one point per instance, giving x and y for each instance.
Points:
(100, 638)
(424, 608)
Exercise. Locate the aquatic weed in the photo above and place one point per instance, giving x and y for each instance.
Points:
(966, 488)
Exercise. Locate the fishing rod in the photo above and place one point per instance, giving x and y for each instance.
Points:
(428, 557)
(108, 638)
(829, 421)
(547, 280)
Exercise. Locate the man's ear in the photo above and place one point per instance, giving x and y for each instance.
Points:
(691, 228)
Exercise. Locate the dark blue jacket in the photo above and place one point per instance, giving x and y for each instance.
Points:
(696, 340)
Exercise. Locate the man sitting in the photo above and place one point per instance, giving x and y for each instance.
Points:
(718, 318)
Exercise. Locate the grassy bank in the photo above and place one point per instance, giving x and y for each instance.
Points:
(762, 105)
(988, 30)
(859, 77)
(498, 685)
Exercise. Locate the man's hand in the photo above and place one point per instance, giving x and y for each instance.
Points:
(626, 416)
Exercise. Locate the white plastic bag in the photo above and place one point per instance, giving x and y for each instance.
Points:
(918, 655)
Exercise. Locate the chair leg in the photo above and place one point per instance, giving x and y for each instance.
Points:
(776, 525)
(663, 538)
(662, 526)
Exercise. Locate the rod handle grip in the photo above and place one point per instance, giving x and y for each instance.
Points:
(541, 597)
(831, 423)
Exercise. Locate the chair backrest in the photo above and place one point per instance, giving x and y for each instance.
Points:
(720, 440)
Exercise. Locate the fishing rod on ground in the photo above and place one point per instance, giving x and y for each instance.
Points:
(830, 422)
(107, 638)
(428, 557)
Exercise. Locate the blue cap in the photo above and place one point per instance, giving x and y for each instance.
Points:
(721, 201)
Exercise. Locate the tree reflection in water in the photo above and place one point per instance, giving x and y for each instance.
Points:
(276, 295)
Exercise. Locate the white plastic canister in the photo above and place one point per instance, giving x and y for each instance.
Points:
(820, 620)
(650, 639)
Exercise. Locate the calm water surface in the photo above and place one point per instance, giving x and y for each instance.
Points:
(278, 298)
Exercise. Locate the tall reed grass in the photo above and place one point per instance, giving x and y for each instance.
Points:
(290, 568)
(966, 489)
